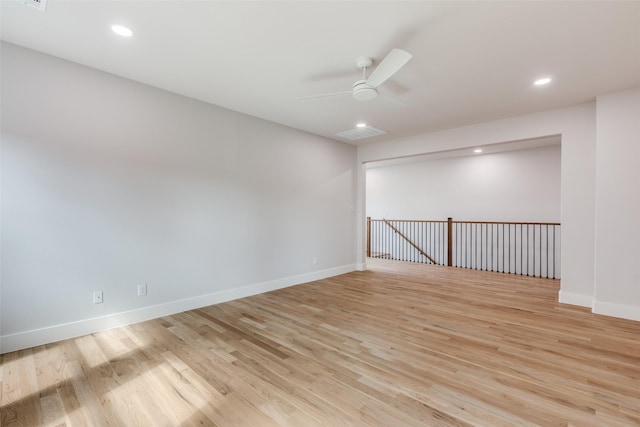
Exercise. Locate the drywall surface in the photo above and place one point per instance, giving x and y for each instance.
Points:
(577, 128)
(108, 184)
(617, 271)
(520, 185)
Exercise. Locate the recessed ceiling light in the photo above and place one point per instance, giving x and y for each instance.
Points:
(478, 150)
(543, 81)
(122, 30)
(361, 125)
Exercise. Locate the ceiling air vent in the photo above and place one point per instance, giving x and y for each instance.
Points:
(360, 133)
(38, 4)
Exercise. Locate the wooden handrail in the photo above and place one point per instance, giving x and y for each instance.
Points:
(506, 222)
(435, 221)
(409, 241)
(468, 222)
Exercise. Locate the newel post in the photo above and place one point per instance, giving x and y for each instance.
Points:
(449, 242)
(368, 236)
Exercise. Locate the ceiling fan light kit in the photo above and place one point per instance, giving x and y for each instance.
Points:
(363, 91)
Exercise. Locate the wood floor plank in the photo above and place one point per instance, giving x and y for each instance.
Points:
(401, 344)
(20, 400)
(53, 411)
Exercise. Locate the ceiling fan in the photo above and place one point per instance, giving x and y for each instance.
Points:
(366, 89)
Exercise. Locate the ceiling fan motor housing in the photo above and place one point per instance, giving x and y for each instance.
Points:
(362, 91)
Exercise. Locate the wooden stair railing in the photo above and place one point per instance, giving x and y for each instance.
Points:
(525, 248)
(423, 253)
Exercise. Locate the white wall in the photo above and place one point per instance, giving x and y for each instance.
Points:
(576, 125)
(617, 270)
(520, 185)
(108, 184)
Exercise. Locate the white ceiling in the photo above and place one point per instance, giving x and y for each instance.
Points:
(473, 61)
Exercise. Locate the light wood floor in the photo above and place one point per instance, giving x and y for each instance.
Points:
(399, 345)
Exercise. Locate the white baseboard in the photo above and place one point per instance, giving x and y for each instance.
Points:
(630, 312)
(575, 299)
(600, 307)
(59, 332)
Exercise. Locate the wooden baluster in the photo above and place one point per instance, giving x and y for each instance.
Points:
(449, 242)
(368, 236)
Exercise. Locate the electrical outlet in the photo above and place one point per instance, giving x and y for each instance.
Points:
(97, 297)
(315, 260)
(142, 290)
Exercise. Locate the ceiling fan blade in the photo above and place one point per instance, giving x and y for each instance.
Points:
(326, 95)
(389, 66)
